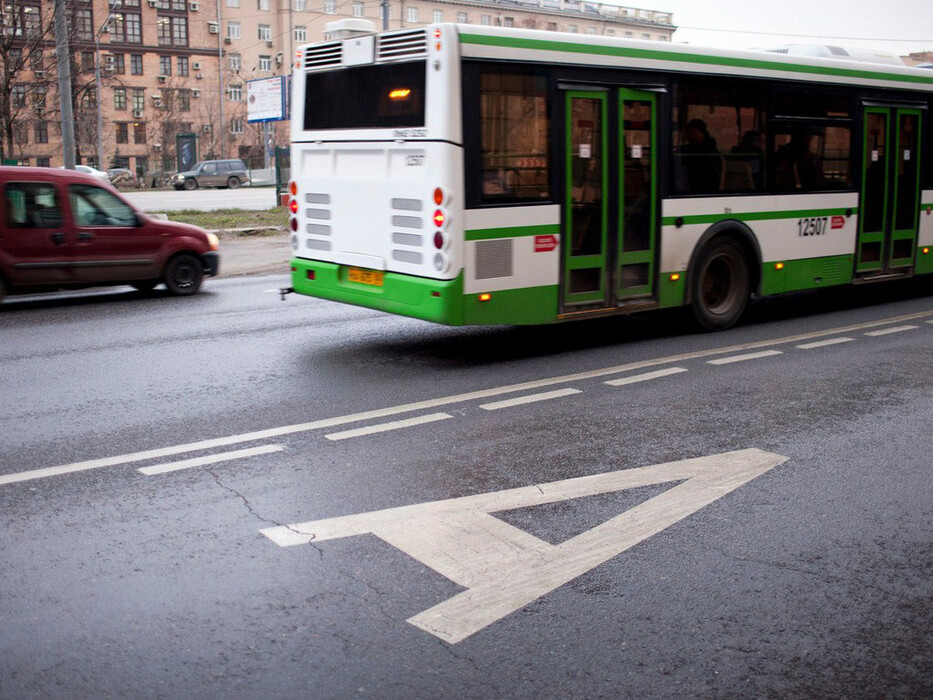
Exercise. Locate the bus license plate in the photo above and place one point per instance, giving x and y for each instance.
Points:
(360, 276)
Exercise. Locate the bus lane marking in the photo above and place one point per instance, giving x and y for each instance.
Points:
(209, 459)
(281, 431)
(824, 343)
(530, 398)
(385, 427)
(647, 376)
(745, 357)
(889, 331)
(504, 568)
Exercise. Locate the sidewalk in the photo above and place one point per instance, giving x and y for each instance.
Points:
(242, 255)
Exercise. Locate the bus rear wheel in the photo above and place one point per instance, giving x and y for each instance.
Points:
(720, 285)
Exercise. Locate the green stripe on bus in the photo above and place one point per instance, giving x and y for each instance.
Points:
(754, 216)
(653, 54)
(486, 234)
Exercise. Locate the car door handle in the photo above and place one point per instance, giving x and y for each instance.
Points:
(85, 235)
(58, 238)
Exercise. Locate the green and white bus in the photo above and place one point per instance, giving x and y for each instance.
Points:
(482, 175)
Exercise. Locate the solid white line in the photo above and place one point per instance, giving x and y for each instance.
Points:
(743, 358)
(824, 343)
(384, 427)
(272, 433)
(646, 376)
(518, 401)
(888, 331)
(210, 459)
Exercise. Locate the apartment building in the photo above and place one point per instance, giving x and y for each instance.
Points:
(149, 75)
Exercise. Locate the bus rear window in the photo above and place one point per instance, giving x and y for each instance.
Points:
(367, 97)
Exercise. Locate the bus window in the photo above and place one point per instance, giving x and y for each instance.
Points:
(514, 136)
(809, 159)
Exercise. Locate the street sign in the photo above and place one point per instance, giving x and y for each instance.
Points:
(265, 99)
(503, 567)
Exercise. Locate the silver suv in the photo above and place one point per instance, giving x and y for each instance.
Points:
(213, 173)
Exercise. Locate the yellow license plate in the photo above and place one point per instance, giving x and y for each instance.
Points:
(360, 276)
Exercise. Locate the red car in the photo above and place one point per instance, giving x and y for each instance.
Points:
(61, 229)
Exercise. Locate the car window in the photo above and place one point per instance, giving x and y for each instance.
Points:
(209, 168)
(95, 206)
(32, 205)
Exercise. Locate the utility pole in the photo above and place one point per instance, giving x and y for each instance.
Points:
(385, 14)
(220, 81)
(63, 57)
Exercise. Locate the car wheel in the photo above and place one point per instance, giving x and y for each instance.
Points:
(721, 285)
(183, 275)
(233, 183)
(191, 184)
(145, 285)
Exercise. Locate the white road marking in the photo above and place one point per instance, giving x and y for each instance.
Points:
(210, 459)
(888, 331)
(531, 398)
(647, 376)
(504, 568)
(273, 433)
(824, 343)
(385, 427)
(745, 357)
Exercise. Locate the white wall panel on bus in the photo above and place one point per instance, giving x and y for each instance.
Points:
(776, 223)
(926, 219)
(528, 265)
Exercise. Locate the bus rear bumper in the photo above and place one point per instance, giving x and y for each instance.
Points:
(439, 301)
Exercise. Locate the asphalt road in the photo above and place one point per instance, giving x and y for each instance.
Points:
(611, 509)
(202, 199)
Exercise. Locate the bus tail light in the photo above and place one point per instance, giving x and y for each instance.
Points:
(441, 263)
(485, 296)
(441, 240)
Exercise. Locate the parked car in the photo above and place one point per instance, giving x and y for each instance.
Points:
(88, 170)
(63, 229)
(213, 173)
(122, 176)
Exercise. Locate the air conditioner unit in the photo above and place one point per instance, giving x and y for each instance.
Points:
(195, 93)
(228, 40)
(196, 65)
(213, 28)
(163, 78)
(194, 6)
(278, 59)
(39, 73)
(137, 114)
(40, 110)
(207, 128)
(153, 3)
(269, 44)
(199, 75)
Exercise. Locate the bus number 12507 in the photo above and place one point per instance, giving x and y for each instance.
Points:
(812, 227)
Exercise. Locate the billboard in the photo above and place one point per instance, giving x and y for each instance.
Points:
(266, 99)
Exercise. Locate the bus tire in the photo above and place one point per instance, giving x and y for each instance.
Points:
(720, 285)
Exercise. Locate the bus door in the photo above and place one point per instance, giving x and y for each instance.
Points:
(609, 206)
(890, 191)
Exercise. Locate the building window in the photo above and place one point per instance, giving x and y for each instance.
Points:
(236, 126)
(236, 62)
(233, 3)
(36, 60)
(134, 28)
(330, 7)
(119, 63)
(136, 64)
(139, 98)
(485, 20)
(265, 63)
(265, 32)
(184, 100)
(84, 25)
(301, 5)
(18, 96)
(412, 14)
(301, 34)
(87, 60)
(38, 95)
(21, 134)
(123, 133)
(263, 5)
(165, 65)
(119, 98)
(233, 30)
(358, 9)
(508, 22)
(462, 18)
(183, 66)
(437, 16)
(42, 132)
(139, 132)
(235, 93)
(43, 162)
(179, 31)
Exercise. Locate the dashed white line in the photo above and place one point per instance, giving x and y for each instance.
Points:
(385, 427)
(531, 398)
(209, 459)
(743, 358)
(824, 343)
(888, 331)
(647, 376)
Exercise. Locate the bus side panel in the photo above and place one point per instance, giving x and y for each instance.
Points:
(806, 241)
(925, 239)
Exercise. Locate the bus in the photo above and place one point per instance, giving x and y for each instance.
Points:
(469, 174)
